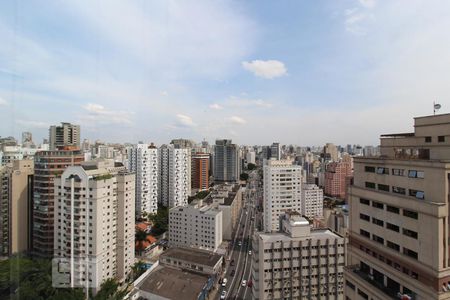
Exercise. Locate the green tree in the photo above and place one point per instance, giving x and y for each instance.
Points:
(251, 166)
(110, 290)
(243, 176)
(140, 237)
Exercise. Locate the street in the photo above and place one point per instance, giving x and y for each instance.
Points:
(239, 261)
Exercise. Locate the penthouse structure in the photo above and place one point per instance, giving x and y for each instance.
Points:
(399, 216)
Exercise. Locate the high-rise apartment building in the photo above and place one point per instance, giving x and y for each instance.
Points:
(16, 190)
(200, 171)
(175, 178)
(338, 175)
(65, 135)
(399, 243)
(143, 160)
(282, 191)
(226, 161)
(330, 152)
(312, 201)
(298, 262)
(47, 166)
(94, 223)
(195, 227)
(275, 151)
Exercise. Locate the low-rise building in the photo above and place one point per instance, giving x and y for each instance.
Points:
(199, 261)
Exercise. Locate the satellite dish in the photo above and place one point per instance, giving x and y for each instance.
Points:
(437, 106)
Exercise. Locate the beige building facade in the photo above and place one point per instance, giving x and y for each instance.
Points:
(399, 216)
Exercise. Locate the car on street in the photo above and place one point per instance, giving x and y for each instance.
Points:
(240, 243)
(250, 252)
(232, 262)
(224, 282)
(232, 272)
(244, 282)
(250, 283)
(223, 295)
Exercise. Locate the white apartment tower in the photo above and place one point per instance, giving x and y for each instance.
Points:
(298, 262)
(94, 223)
(175, 175)
(143, 160)
(196, 227)
(312, 201)
(282, 191)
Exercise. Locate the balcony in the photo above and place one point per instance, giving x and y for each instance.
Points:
(387, 292)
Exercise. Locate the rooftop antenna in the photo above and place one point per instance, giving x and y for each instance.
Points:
(436, 106)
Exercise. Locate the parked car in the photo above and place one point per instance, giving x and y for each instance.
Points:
(250, 283)
(244, 282)
(223, 295)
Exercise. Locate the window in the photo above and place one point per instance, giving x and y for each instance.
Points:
(417, 194)
(377, 222)
(364, 201)
(364, 217)
(410, 253)
(377, 205)
(398, 172)
(398, 190)
(416, 174)
(349, 284)
(392, 227)
(393, 246)
(362, 294)
(393, 209)
(410, 233)
(410, 214)
(364, 233)
(383, 187)
(370, 185)
(381, 170)
(377, 239)
(369, 169)
(428, 139)
(441, 139)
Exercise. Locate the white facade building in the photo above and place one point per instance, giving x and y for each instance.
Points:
(94, 223)
(251, 157)
(282, 191)
(196, 227)
(312, 201)
(298, 263)
(143, 160)
(175, 175)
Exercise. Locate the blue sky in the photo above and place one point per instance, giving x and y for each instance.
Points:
(300, 72)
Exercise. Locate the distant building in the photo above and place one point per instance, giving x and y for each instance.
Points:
(27, 138)
(251, 157)
(200, 171)
(312, 201)
(330, 152)
(282, 191)
(143, 160)
(183, 143)
(195, 227)
(226, 161)
(48, 165)
(16, 192)
(298, 263)
(94, 218)
(65, 135)
(338, 177)
(275, 151)
(175, 175)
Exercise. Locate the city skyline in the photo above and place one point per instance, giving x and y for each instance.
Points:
(221, 70)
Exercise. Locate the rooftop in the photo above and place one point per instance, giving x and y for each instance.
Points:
(173, 284)
(201, 257)
(281, 236)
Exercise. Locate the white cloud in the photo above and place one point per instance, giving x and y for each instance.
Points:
(244, 102)
(3, 101)
(164, 93)
(215, 106)
(368, 3)
(185, 121)
(33, 124)
(356, 21)
(97, 113)
(237, 120)
(265, 68)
